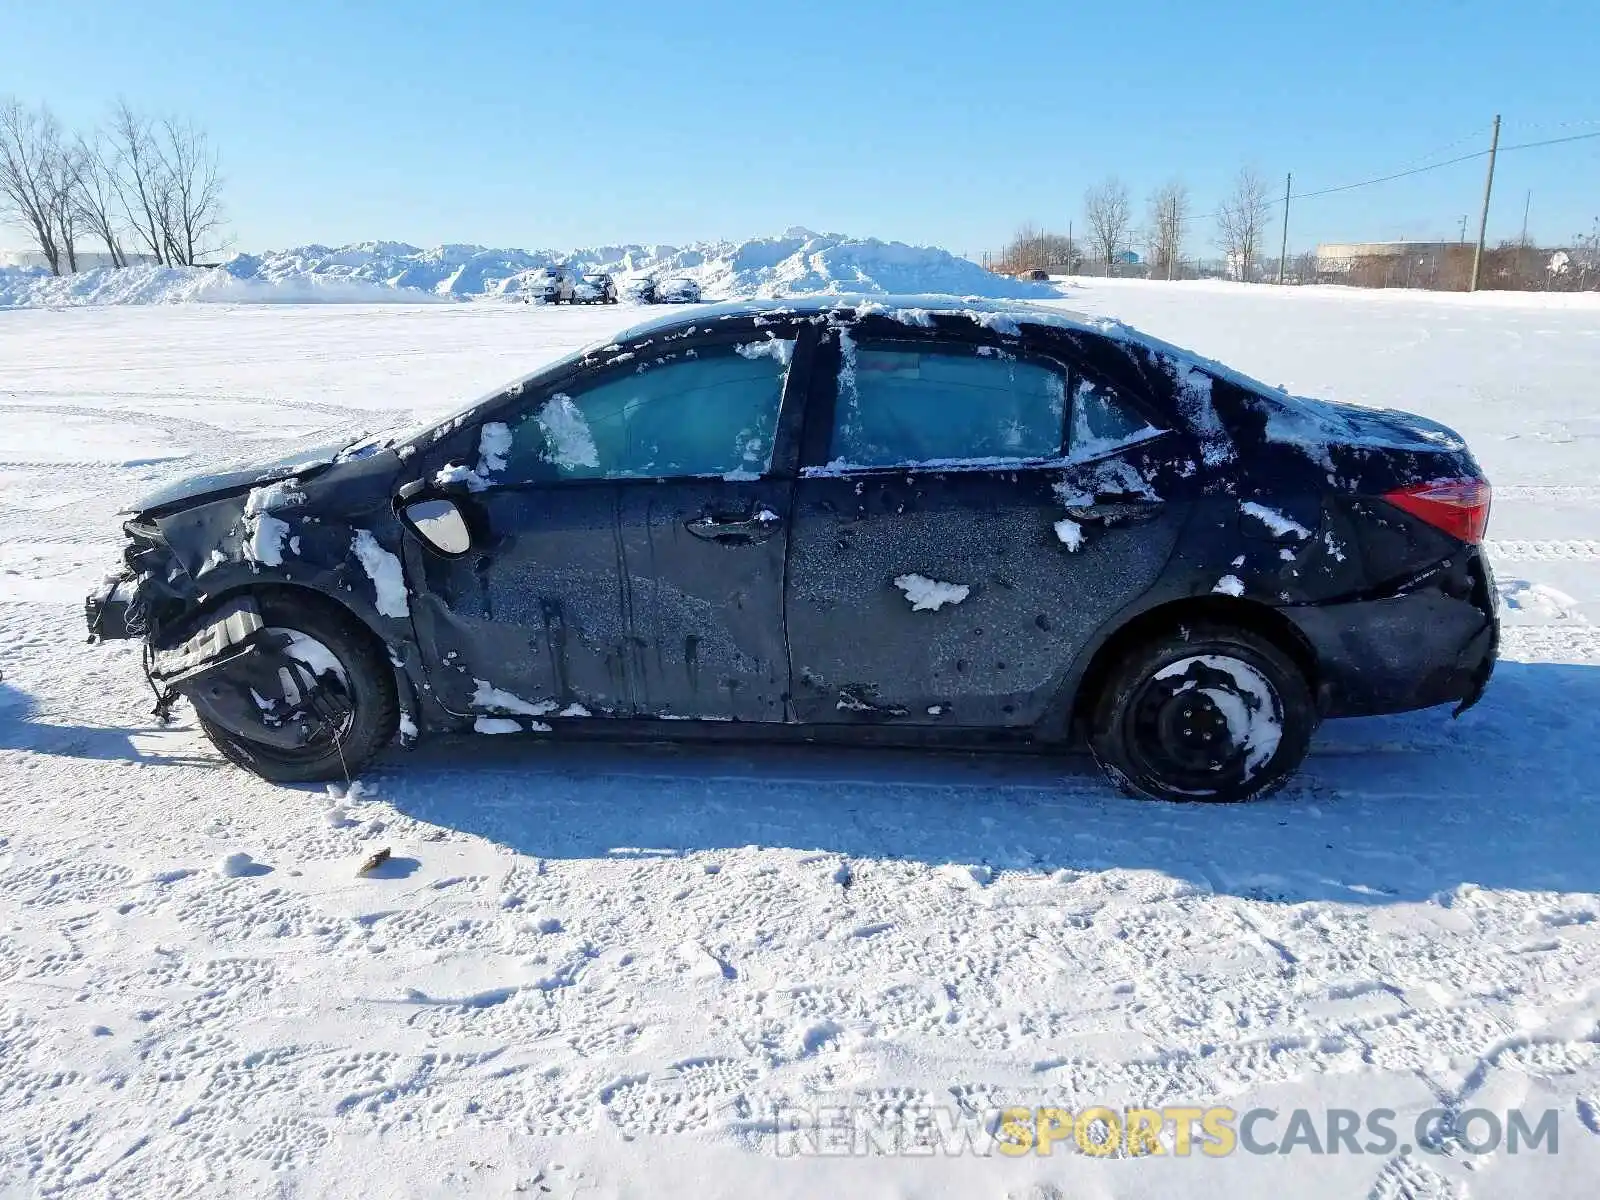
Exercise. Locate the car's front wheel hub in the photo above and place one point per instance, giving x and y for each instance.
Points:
(293, 695)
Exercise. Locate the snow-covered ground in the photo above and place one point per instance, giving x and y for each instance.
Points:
(589, 971)
(797, 262)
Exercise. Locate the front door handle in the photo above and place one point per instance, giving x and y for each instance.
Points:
(736, 530)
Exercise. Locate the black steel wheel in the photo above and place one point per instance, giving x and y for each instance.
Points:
(1207, 713)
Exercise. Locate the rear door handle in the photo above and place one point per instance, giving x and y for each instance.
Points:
(757, 528)
(1115, 510)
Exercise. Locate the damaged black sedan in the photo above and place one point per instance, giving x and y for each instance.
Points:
(885, 519)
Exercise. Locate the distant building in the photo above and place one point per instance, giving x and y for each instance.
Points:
(1339, 257)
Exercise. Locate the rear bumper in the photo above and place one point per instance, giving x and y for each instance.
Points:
(1433, 643)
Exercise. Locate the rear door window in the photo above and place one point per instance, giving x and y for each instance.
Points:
(909, 404)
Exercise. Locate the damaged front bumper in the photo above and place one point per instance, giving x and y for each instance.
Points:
(113, 610)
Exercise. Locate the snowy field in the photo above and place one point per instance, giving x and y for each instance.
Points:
(595, 971)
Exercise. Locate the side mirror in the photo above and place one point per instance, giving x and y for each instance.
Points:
(440, 524)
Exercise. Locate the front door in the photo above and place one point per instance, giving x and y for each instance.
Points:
(935, 575)
(630, 528)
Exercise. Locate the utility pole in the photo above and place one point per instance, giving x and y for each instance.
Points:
(1283, 250)
(1172, 237)
(1488, 190)
(1526, 204)
(1463, 238)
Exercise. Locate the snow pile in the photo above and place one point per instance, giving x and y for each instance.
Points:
(36, 288)
(799, 262)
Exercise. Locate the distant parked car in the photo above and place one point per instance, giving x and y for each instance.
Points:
(642, 291)
(595, 288)
(550, 285)
(1035, 275)
(834, 518)
(678, 289)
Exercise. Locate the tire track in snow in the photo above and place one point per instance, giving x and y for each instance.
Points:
(1544, 550)
(1548, 491)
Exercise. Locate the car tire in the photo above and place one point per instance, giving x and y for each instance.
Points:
(1208, 712)
(373, 701)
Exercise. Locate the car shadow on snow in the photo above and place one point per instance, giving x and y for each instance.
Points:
(1386, 810)
(24, 727)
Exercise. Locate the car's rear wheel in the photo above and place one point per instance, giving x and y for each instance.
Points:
(322, 715)
(1209, 712)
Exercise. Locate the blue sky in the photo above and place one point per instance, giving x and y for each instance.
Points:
(561, 124)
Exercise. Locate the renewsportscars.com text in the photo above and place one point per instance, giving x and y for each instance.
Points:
(1182, 1131)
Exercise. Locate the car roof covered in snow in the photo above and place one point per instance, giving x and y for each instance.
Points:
(994, 313)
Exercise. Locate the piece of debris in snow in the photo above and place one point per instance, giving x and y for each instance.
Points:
(781, 350)
(496, 699)
(1280, 524)
(239, 865)
(384, 570)
(496, 725)
(1070, 534)
(1254, 722)
(1229, 585)
(494, 443)
(570, 444)
(929, 595)
(373, 863)
(1239, 562)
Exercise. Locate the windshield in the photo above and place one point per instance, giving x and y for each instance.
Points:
(420, 432)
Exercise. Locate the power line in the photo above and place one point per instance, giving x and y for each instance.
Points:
(1422, 170)
(1576, 137)
(1350, 187)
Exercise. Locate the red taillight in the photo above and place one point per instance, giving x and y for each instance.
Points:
(1460, 507)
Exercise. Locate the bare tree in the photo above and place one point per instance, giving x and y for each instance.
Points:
(1110, 216)
(30, 175)
(1242, 221)
(1169, 210)
(63, 202)
(140, 183)
(94, 194)
(1035, 249)
(192, 193)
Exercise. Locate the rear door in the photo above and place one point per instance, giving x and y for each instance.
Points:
(629, 525)
(936, 576)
